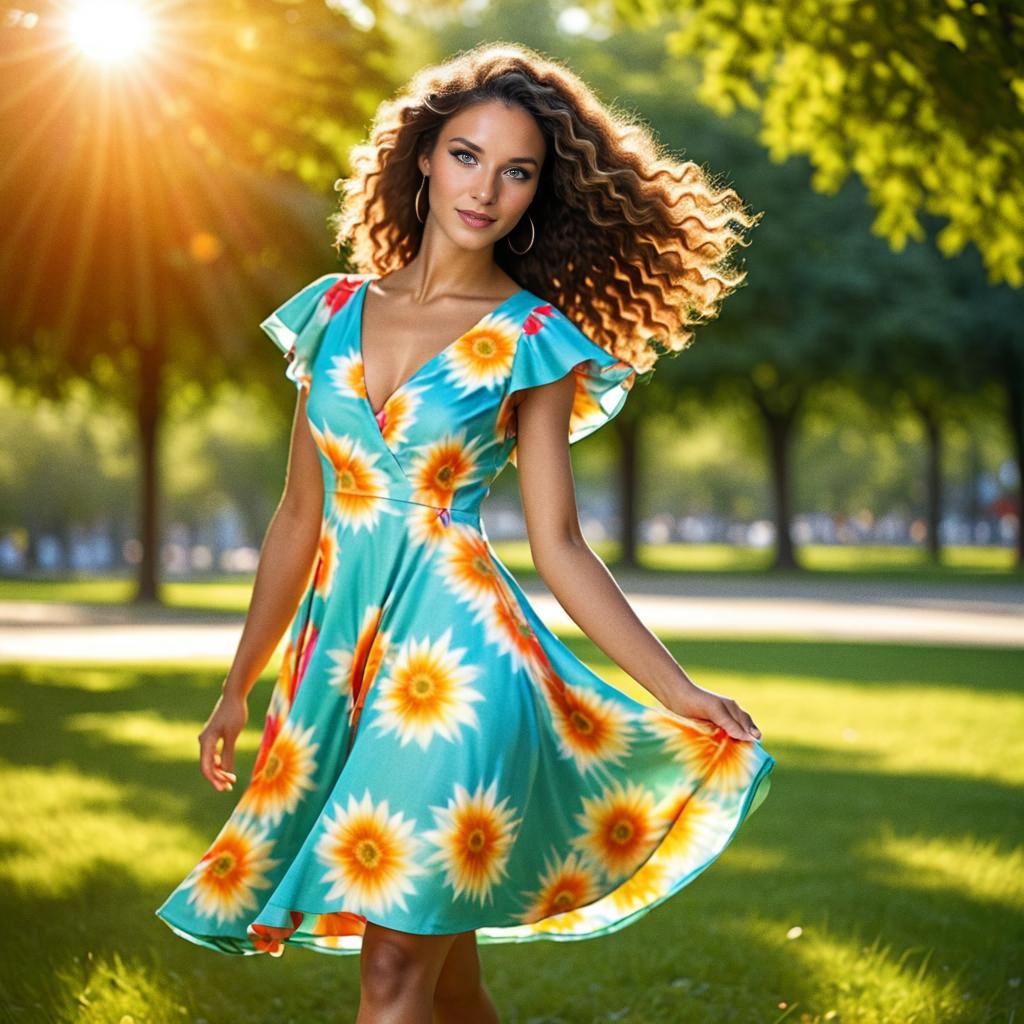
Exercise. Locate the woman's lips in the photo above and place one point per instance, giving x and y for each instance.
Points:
(474, 222)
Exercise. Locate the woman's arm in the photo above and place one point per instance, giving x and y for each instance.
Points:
(286, 558)
(579, 579)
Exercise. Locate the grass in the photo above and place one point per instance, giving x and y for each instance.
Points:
(881, 881)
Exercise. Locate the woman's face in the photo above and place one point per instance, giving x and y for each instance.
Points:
(487, 160)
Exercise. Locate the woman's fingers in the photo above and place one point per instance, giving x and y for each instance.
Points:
(223, 772)
(736, 722)
(210, 762)
(227, 757)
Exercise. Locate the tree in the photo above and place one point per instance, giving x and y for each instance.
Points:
(923, 101)
(150, 207)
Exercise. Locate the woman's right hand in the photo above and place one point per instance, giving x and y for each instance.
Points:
(226, 721)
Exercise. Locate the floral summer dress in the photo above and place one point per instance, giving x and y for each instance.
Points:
(434, 759)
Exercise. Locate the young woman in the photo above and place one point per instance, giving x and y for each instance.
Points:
(436, 766)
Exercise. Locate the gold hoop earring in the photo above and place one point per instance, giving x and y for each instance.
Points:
(533, 235)
(417, 203)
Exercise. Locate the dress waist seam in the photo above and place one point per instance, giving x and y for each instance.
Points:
(468, 515)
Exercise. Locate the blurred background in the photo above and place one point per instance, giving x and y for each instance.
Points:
(859, 403)
(817, 506)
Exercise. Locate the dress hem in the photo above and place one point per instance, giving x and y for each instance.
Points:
(234, 945)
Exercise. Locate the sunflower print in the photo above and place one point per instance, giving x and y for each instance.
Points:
(433, 758)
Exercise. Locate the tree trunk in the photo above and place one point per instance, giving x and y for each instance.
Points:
(148, 411)
(778, 425)
(629, 489)
(1014, 378)
(972, 506)
(933, 481)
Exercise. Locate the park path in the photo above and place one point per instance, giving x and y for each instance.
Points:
(866, 611)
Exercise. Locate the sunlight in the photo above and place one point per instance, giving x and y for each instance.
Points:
(108, 31)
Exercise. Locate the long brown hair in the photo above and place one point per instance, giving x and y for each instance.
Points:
(631, 244)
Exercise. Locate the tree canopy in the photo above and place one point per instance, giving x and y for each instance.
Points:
(923, 100)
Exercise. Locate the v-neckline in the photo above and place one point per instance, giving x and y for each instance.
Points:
(361, 302)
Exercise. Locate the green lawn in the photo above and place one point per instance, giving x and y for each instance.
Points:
(880, 881)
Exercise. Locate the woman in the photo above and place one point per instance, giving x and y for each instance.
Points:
(436, 766)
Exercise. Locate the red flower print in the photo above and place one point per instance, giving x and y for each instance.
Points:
(532, 324)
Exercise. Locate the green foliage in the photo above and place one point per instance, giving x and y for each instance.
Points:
(924, 102)
(224, 450)
(63, 464)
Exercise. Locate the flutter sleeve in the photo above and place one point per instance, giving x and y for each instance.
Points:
(551, 346)
(297, 326)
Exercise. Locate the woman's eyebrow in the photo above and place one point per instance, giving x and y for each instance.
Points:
(479, 149)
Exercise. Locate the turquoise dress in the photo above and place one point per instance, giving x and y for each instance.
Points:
(434, 759)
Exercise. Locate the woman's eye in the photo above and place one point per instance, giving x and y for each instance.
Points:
(458, 153)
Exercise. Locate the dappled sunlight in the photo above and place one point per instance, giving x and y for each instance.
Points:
(60, 826)
(986, 871)
(755, 860)
(162, 740)
(883, 730)
(872, 981)
(99, 987)
(102, 679)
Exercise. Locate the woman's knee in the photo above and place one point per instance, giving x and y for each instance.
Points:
(391, 966)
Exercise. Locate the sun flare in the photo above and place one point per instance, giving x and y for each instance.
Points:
(109, 31)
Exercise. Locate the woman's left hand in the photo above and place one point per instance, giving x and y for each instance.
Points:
(693, 701)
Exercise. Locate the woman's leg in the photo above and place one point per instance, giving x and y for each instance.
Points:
(398, 972)
(461, 996)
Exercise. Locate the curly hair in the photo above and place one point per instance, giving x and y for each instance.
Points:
(625, 234)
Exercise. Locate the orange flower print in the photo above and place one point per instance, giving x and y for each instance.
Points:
(358, 484)
(649, 883)
(724, 764)
(507, 628)
(345, 374)
(340, 923)
(467, 569)
(283, 775)
(397, 416)
(594, 731)
(269, 939)
(328, 550)
(427, 692)
(430, 526)
(482, 358)
(308, 646)
(620, 827)
(565, 885)
(222, 884)
(353, 665)
(696, 820)
(474, 836)
(442, 467)
(433, 756)
(371, 856)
